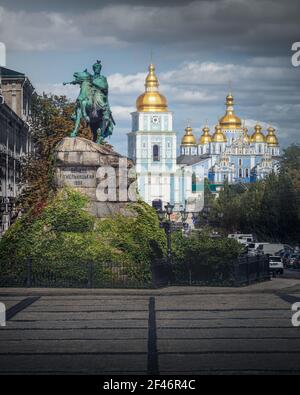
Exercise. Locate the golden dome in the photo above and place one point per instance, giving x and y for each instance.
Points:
(151, 99)
(230, 120)
(257, 136)
(206, 137)
(219, 136)
(188, 138)
(271, 138)
(247, 138)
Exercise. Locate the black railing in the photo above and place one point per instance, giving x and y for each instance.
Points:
(251, 269)
(75, 275)
(245, 270)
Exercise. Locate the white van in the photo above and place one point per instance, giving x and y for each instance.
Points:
(256, 248)
(272, 248)
(242, 238)
(276, 264)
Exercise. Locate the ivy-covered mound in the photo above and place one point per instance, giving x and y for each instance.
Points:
(63, 239)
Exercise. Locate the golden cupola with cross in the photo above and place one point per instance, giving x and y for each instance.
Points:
(219, 136)
(230, 120)
(188, 138)
(205, 138)
(151, 100)
(258, 136)
(271, 138)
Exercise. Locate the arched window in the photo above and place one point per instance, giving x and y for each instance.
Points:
(155, 153)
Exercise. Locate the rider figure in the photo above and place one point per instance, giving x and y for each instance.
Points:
(100, 84)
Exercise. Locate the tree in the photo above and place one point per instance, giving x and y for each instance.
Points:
(269, 208)
(51, 122)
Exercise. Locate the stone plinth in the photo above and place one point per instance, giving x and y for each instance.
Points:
(77, 164)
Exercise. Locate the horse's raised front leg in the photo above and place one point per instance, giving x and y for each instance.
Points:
(77, 122)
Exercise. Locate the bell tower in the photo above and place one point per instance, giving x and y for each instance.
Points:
(152, 144)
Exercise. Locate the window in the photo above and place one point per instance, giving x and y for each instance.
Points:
(240, 162)
(155, 153)
(194, 182)
(240, 173)
(247, 173)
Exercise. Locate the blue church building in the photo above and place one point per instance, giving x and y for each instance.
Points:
(230, 152)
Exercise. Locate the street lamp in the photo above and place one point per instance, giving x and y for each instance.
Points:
(169, 209)
(184, 214)
(161, 215)
(166, 224)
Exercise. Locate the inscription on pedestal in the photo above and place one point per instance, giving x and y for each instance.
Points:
(79, 176)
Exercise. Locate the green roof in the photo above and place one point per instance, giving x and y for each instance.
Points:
(4, 72)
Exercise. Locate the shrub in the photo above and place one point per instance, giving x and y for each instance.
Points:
(64, 237)
(210, 259)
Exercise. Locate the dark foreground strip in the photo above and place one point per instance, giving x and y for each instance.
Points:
(152, 367)
(20, 306)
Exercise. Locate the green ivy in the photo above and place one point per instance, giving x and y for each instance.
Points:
(65, 237)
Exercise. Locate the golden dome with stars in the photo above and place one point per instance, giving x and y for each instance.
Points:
(271, 138)
(151, 100)
(219, 136)
(188, 138)
(230, 120)
(257, 136)
(205, 138)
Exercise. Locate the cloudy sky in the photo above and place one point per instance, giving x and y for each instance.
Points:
(197, 46)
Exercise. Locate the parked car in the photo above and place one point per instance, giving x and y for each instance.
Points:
(285, 258)
(276, 264)
(294, 261)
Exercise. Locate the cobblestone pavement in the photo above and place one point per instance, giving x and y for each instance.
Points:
(169, 331)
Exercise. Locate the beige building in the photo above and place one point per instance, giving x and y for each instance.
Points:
(15, 141)
(17, 92)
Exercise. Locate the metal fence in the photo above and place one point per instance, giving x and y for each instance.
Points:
(75, 275)
(245, 270)
(251, 269)
(110, 275)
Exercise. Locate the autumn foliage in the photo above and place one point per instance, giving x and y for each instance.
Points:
(51, 122)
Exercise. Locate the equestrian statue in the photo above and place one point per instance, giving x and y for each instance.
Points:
(92, 103)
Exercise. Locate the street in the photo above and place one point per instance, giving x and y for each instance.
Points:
(176, 330)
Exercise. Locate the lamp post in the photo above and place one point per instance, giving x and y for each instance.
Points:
(184, 216)
(165, 223)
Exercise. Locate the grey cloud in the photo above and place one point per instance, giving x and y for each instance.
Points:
(264, 28)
